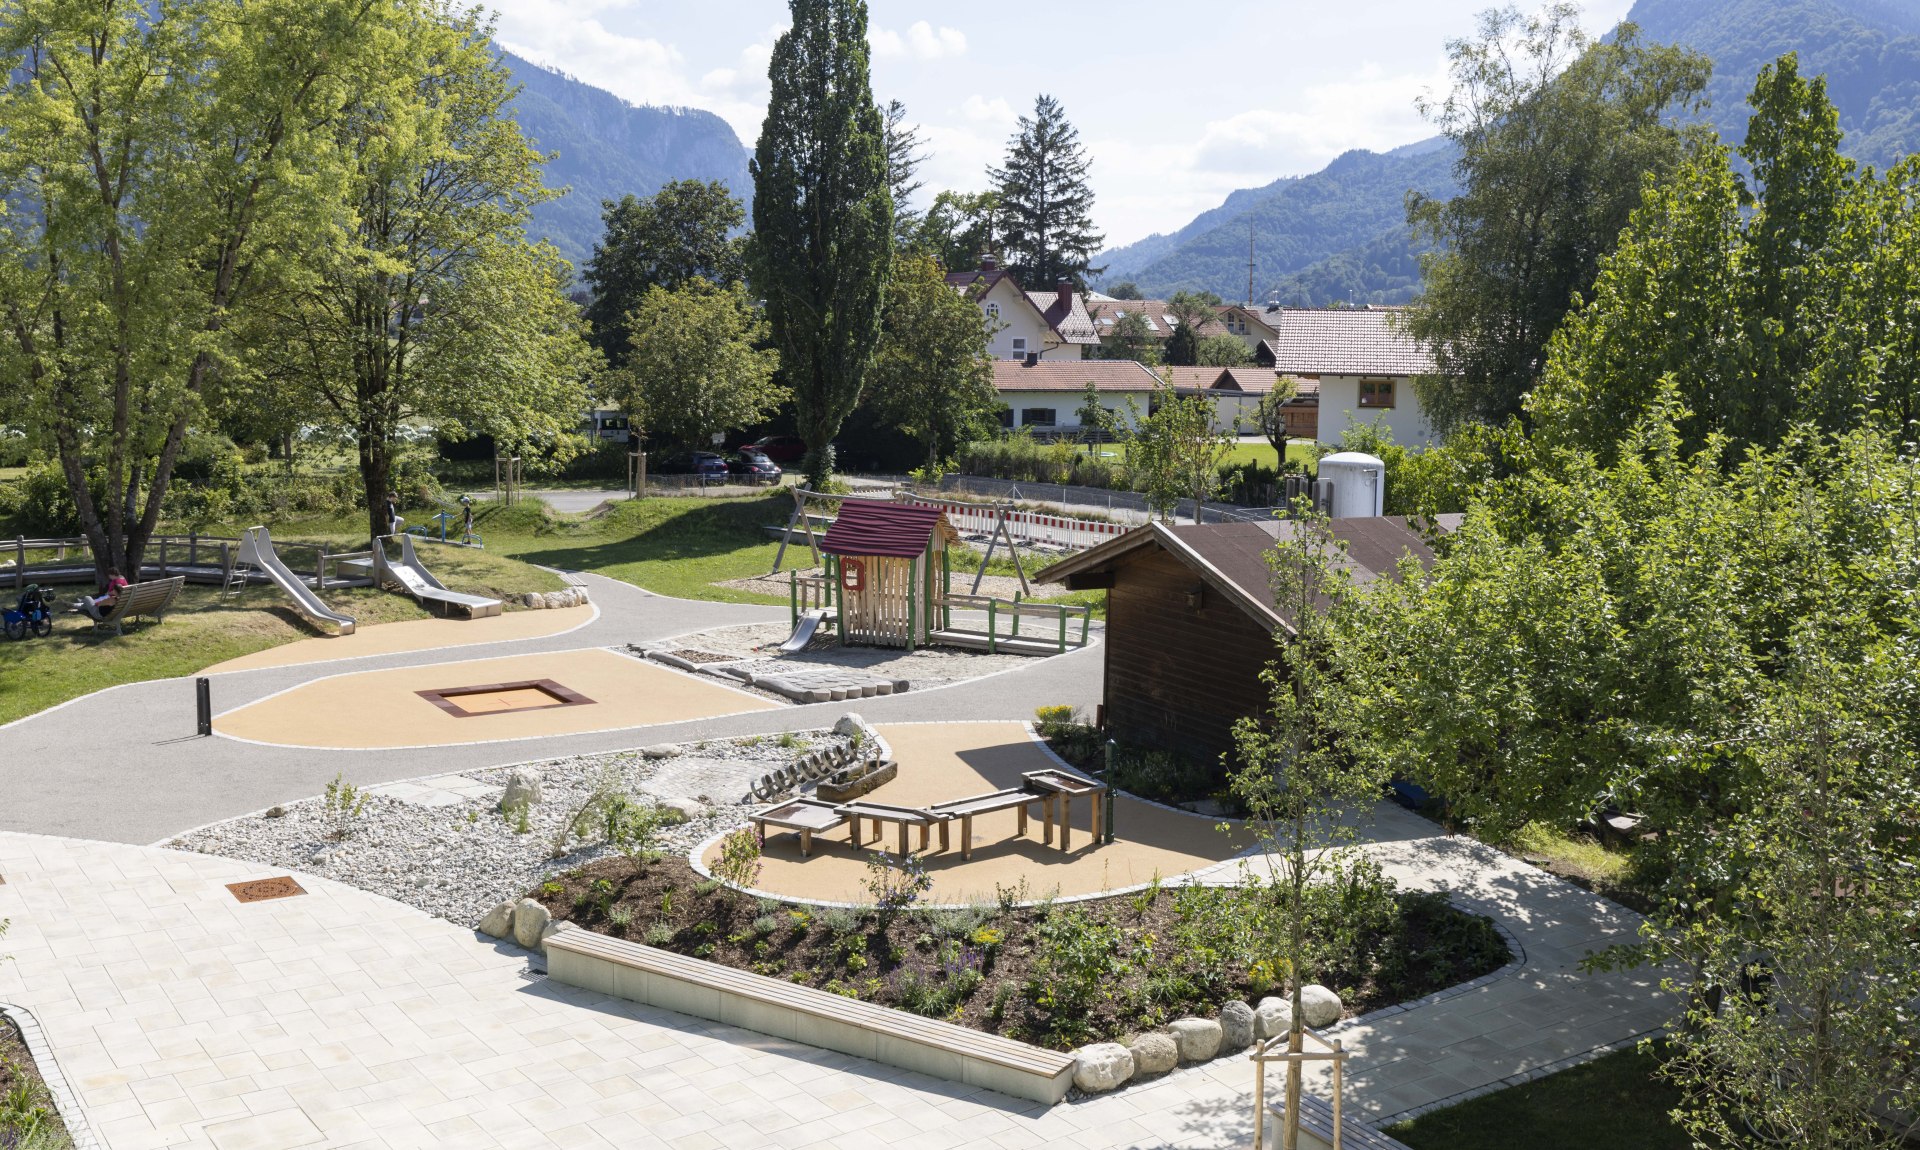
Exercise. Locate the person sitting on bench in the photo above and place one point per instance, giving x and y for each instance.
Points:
(92, 605)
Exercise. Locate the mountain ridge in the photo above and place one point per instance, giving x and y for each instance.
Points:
(1314, 252)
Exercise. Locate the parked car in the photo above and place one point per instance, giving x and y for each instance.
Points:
(752, 466)
(704, 463)
(780, 448)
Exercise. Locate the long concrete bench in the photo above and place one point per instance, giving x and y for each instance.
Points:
(638, 973)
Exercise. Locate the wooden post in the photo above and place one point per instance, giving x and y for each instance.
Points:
(193, 549)
(1338, 1062)
(1259, 1100)
(19, 562)
(1066, 822)
(163, 560)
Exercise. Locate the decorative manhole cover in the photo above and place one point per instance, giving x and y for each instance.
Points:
(503, 698)
(261, 889)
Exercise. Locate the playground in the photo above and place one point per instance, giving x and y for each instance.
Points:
(1040, 841)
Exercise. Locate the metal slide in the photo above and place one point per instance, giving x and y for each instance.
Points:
(803, 632)
(256, 550)
(420, 583)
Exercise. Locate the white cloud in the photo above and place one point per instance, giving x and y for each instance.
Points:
(922, 41)
(1367, 109)
(981, 110)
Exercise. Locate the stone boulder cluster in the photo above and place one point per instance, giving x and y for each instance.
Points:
(541, 600)
(1105, 1066)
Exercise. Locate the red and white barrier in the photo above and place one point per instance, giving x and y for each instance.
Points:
(1030, 526)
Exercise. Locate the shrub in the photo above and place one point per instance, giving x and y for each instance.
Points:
(1163, 776)
(739, 861)
(1077, 961)
(895, 886)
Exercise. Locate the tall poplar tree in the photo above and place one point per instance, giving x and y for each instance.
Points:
(822, 218)
(1046, 204)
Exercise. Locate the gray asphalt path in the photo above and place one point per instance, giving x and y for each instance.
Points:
(124, 764)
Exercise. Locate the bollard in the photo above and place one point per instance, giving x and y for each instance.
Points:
(1107, 778)
(203, 700)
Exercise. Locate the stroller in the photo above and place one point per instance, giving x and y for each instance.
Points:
(31, 615)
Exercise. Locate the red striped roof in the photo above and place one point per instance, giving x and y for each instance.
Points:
(867, 527)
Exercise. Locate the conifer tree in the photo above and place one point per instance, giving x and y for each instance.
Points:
(1047, 207)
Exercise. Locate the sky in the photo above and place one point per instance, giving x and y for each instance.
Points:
(1176, 106)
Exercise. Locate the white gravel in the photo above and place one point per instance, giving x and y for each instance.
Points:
(456, 861)
(923, 667)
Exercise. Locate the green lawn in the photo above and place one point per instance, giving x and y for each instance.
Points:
(204, 628)
(1262, 453)
(1613, 1101)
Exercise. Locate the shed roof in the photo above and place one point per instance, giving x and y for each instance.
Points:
(870, 527)
(1232, 556)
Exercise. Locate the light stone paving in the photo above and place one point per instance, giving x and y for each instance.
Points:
(341, 1019)
(444, 791)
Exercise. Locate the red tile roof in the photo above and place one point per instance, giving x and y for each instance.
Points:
(1345, 341)
(1072, 375)
(1157, 312)
(1252, 380)
(869, 527)
(1070, 319)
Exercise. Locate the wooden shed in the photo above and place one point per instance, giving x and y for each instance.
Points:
(1191, 621)
(887, 565)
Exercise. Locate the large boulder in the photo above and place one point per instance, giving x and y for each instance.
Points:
(498, 923)
(1236, 1027)
(523, 790)
(1271, 1018)
(1197, 1038)
(1319, 1006)
(1102, 1066)
(530, 922)
(1154, 1053)
(676, 811)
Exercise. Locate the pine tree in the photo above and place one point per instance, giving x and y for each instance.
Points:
(903, 166)
(1047, 205)
(822, 217)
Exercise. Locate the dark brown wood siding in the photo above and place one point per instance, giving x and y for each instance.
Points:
(1178, 676)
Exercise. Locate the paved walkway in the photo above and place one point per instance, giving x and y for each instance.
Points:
(124, 764)
(340, 1019)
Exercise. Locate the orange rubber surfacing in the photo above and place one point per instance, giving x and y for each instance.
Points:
(519, 698)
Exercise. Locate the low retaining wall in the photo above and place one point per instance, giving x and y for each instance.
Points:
(638, 973)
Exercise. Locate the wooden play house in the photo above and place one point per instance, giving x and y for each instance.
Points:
(885, 564)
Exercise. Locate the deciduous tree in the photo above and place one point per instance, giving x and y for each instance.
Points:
(695, 366)
(823, 218)
(1175, 453)
(687, 230)
(1556, 136)
(431, 304)
(932, 376)
(164, 163)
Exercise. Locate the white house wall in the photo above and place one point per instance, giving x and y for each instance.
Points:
(1340, 408)
(1019, 321)
(1065, 405)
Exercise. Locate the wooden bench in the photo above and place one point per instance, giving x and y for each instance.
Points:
(637, 973)
(150, 599)
(803, 815)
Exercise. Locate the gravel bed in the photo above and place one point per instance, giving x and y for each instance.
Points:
(923, 667)
(456, 861)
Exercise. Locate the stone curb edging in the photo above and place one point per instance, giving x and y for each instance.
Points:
(65, 1101)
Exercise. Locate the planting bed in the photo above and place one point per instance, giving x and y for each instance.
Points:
(1053, 975)
(27, 1115)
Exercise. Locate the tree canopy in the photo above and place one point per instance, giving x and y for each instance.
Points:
(1556, 135)
(687, 230)
(1766, 298)
(694, 366)
(823, 217)
(932, 377)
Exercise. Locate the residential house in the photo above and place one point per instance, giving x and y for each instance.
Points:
(1021, 324)
(1046, 395)
(1192, 621)
(1247, 323)
(1363, 362)
(1238, 391)
(1107, 312)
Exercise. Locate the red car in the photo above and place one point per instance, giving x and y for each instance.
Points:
(780, 448)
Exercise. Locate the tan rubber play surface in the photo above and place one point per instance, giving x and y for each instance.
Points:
(940, 761)
(413, 635)
(383, 708)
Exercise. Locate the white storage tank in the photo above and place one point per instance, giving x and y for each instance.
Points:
(1359, 484)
